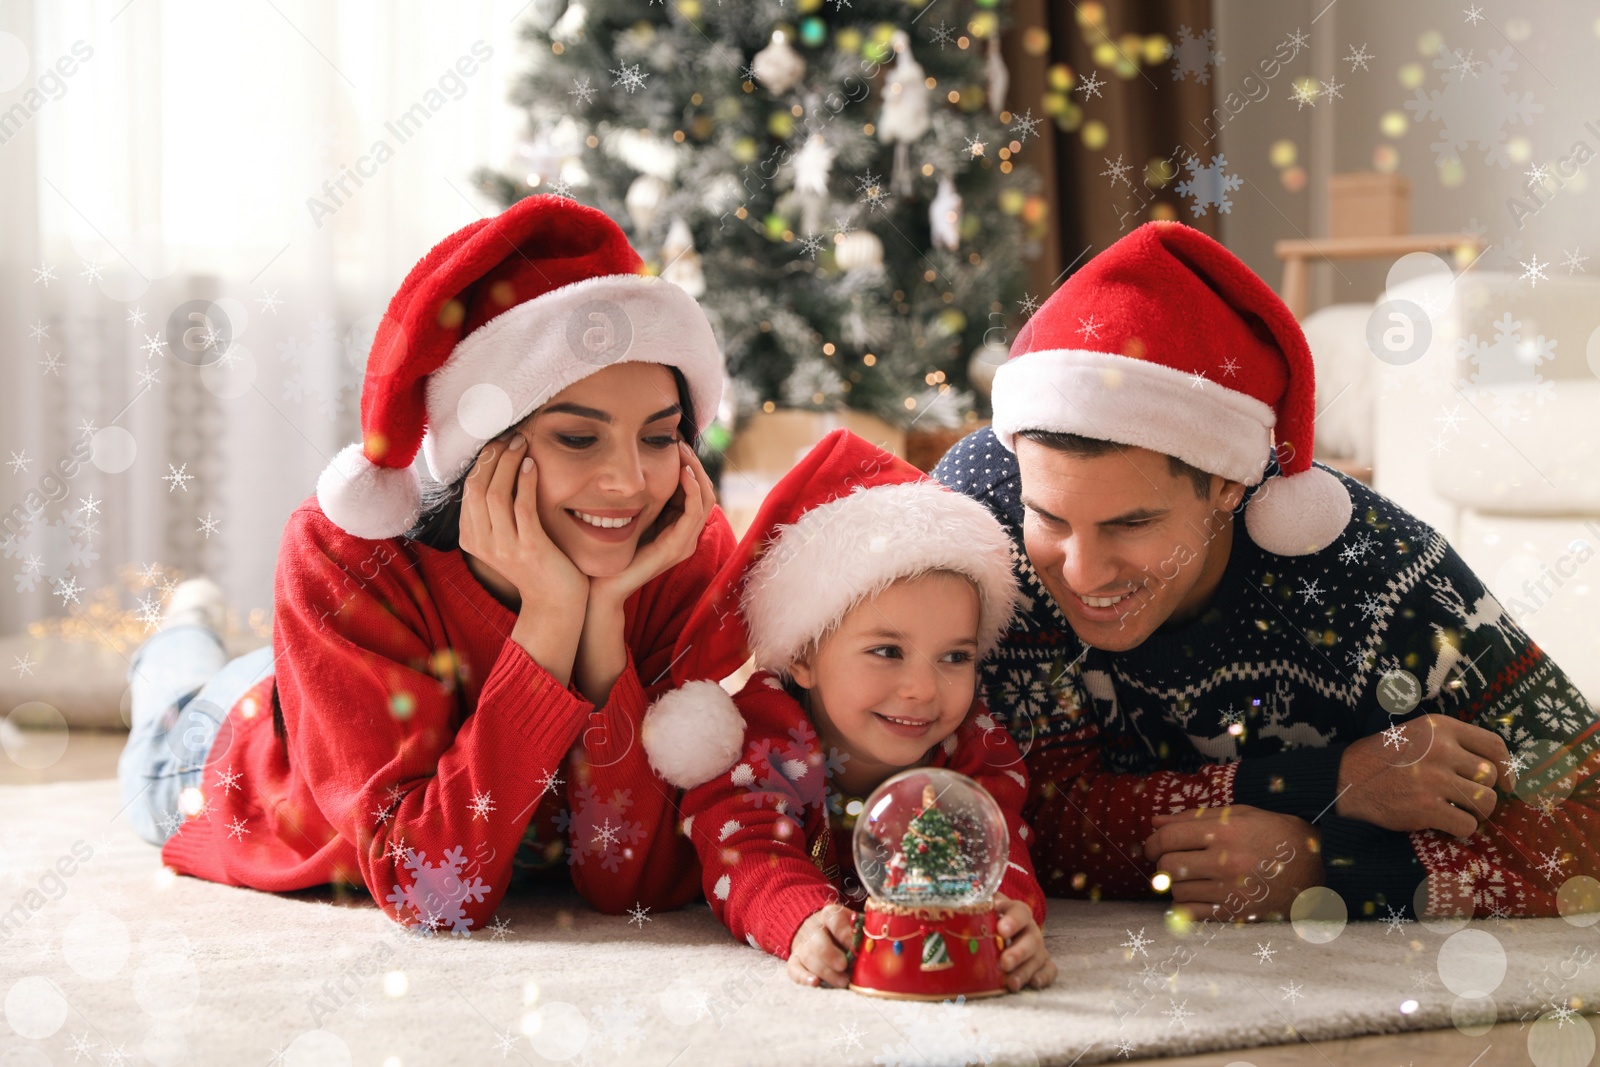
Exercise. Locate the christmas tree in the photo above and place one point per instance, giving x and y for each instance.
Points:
(834, 181)
(932, 848)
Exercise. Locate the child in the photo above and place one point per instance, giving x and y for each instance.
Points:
(451, 669)
(866, 593)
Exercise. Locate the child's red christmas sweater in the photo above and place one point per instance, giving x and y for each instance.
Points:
(420, 741)
(773, 843)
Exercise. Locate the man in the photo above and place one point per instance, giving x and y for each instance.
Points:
(1321, 694)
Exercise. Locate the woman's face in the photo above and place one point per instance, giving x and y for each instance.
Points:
(608, 462)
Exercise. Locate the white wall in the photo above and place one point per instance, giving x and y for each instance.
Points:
(1556, 48)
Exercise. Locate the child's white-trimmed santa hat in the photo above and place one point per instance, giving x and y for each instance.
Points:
(848, 521)
(494, 321)
(1167, 341)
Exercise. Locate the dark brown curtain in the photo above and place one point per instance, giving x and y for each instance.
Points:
(1150, 117)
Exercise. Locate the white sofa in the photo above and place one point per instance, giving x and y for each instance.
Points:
(1492, 435)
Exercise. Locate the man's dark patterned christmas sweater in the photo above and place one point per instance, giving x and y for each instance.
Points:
(1255, 701)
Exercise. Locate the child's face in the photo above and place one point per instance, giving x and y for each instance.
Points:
(899, 673)
(607, 448)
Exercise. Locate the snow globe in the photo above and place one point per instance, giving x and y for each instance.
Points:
(931, 848)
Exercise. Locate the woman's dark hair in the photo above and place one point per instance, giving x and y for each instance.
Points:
(439, 525)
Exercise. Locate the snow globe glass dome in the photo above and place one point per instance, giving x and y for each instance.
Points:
(931, 838)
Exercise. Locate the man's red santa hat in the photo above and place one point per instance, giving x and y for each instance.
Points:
(495, 320)
(848, 521)
(1167, 341)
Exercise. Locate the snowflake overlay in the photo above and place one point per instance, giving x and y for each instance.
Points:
(1511, 366)
(597, 828)
(438, 893)
(1209, 185)
(318, 368)
(1475, 109)
(1194, 53)
(49, 550)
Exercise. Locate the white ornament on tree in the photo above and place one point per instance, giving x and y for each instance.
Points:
(999, 77)
(778, 67)
(858, 250)
(643, 200)
(986, 359)
(905, 116)
(681, 263)
(645, 153)
(811, 167)
(568, 29)
(944, 216)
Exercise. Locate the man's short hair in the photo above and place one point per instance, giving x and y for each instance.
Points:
(1091, 447)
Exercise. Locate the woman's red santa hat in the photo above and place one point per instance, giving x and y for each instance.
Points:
(848, 521)
(1167, 341)
(494, 321)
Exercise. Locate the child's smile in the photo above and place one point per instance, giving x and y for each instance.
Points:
(896, 677)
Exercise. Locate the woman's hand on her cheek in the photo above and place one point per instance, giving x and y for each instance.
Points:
(500, 525)
(676, 532)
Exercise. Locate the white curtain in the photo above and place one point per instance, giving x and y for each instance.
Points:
(283, 161)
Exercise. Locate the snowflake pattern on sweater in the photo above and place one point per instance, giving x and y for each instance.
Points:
(772, 846)
(1255, 701)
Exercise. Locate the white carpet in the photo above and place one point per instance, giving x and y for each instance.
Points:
(174, 970)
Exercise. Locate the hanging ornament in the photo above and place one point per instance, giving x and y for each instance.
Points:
(643, 200)
(999, 77)
(682, 261)
(811, 167)
(568, 29)
(944, 216)
(778, 67)
(988, 358)
(904, 118)
(858, 250)
(645, 153)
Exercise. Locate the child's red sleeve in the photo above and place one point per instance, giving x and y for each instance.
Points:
(984, 751)
(751, 825)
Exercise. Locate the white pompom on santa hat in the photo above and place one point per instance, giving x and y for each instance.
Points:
(848, 521)
(494, 321)
(1167, 341)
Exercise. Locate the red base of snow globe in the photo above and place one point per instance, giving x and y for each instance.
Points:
(935, 953)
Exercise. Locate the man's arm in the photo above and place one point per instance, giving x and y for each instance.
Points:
(1091, 824)
(1544, 831)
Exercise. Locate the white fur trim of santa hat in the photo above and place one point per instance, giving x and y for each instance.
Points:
(1134, 402)
(839, 553)
(692, 734)
(1207, 425)
(522, 357)
(367, 500)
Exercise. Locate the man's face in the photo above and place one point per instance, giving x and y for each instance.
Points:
(1122, 543)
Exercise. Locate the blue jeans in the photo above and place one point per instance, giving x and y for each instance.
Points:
(182, 687)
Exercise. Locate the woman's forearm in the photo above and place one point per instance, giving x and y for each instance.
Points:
(601, 656)
(550, 635)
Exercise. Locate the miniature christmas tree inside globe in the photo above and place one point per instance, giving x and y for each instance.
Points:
(931, 838)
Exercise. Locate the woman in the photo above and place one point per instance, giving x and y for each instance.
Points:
(457, 677)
